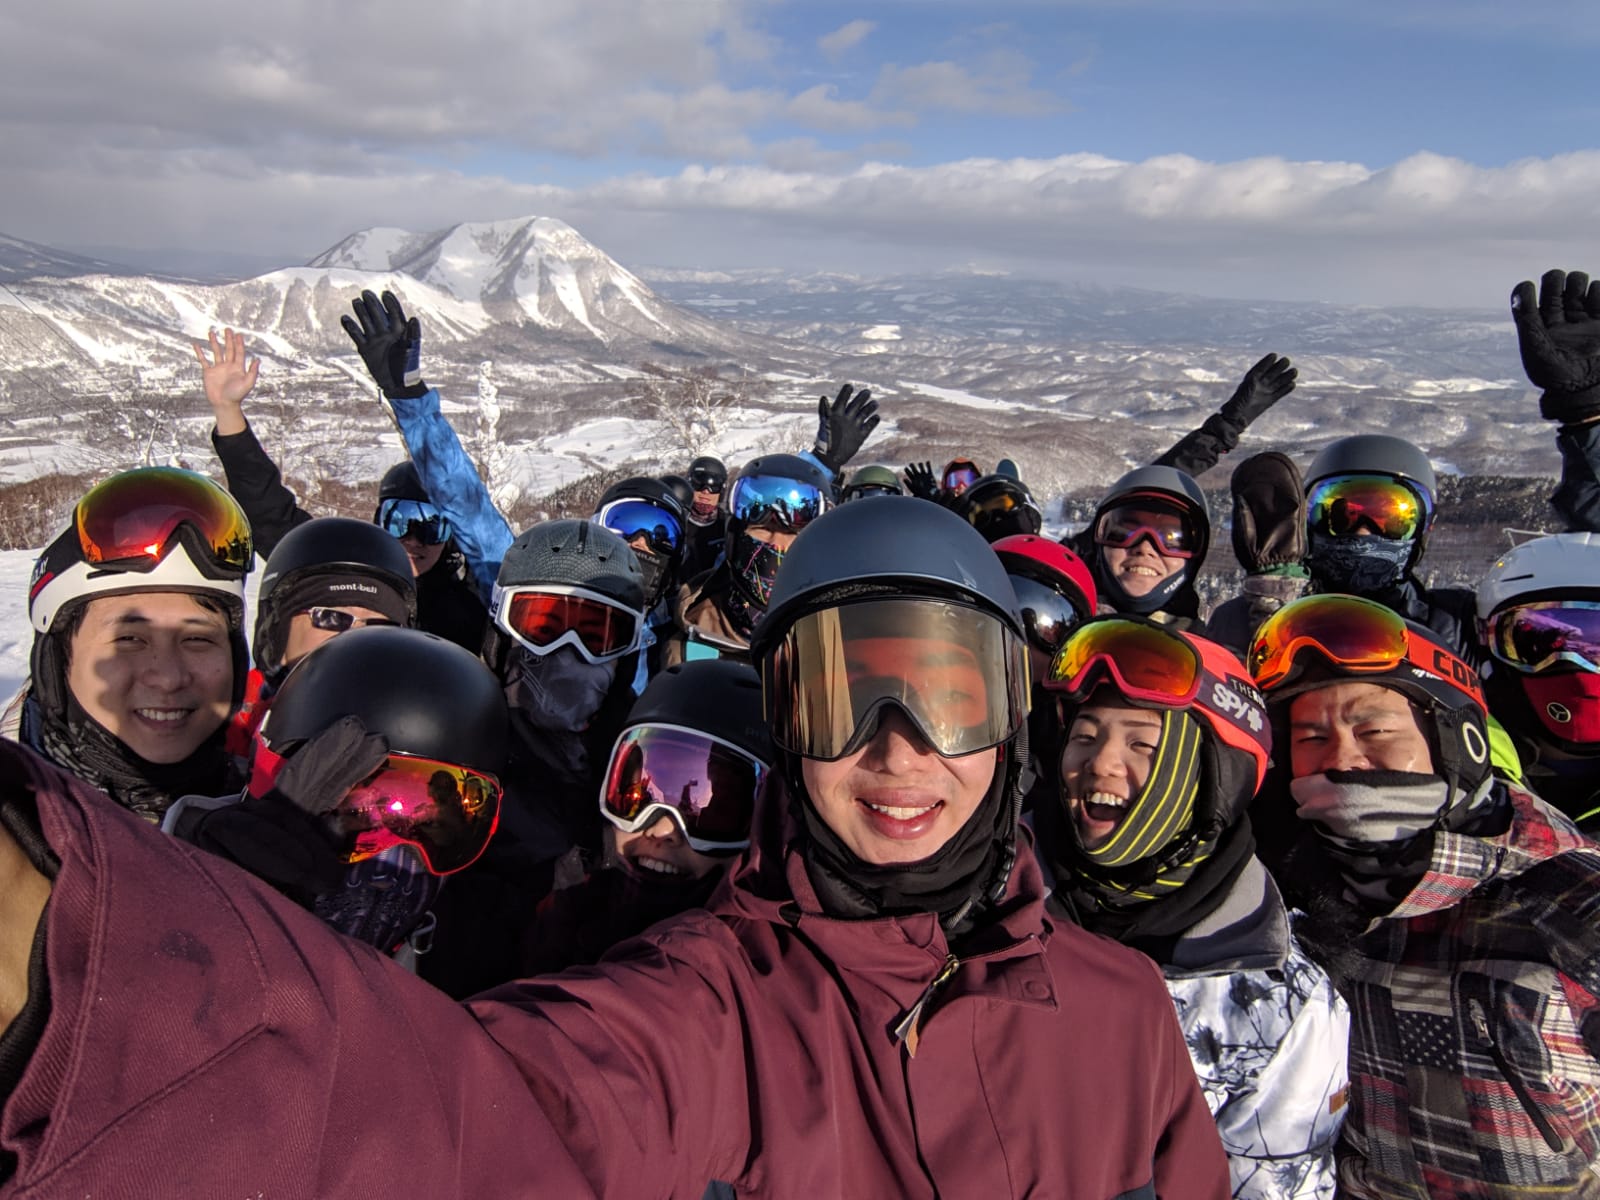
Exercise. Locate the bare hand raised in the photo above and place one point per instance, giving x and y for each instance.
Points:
(228, 377)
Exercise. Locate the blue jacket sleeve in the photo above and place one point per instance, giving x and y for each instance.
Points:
(451, 480)
(1577, 496)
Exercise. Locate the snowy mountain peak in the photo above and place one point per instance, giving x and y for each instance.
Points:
(28, 260)
(529, 270)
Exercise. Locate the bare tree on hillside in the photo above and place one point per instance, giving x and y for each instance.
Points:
(692, 406)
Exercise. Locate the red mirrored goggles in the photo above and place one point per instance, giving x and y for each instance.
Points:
(130, 521)
(1354, 635)
(1171, 531)
(1144, 662)
(707, 786)
(446, 812)
(549, 616)
(958, 674)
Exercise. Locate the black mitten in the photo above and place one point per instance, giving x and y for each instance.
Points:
(1269, 512)
(1559, 338)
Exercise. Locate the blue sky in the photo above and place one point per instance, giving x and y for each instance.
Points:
(1350, 151)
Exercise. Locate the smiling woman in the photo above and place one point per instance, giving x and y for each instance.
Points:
(138, 654)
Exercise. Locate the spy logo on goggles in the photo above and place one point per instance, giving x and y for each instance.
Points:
(1228, 697)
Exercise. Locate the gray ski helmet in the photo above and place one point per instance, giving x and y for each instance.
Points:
(325, 546)
(1376, 454)
(427, 696)
(569, 553)
(1168, 483)
(713, 695)
(895, 544)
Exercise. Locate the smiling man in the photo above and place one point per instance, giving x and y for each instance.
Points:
(875, 1003)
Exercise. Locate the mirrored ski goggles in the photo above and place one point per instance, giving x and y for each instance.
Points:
(336, 620)
(959, 477)
(1121, 527)
(447, 812)
(702, 480)
(1047, 616)
(549, 616)
(415, 519)
(707, 786)
(774, 499)
(1532, 637)
(131, 520)
(1353, 634)
(959, 675)
(1144, 662)
(631, 519)
(1347, 505)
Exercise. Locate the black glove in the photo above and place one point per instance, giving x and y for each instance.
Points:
(1269, 512)
(1560, 343)
(280, 837)
(1264, 384)
(844, 423)
(390, 345)
(921, 482)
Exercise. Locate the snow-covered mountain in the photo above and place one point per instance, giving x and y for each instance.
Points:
(29, 260)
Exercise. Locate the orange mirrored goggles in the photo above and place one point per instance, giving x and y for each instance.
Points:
(130, 521)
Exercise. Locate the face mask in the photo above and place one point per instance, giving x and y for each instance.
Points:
(1567, 705)
(703, 512)
(383, 898)
(754, 566)
(1360, 565)
(560, 691)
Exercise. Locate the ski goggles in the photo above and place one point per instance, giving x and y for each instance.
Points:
(1122, 527)
(549, 616)
(959, 477)
(1144, 662)
(859, 491)
(414, 519)
(130, 522)
(1531, 637)
(702, 480)
(1346, 505)
(1354, 635)
(1047, 616)
(631, 519)
(958, 674)
(336, 620)
(775, 499)
(996, 504)
(707, 786)
(447, 812)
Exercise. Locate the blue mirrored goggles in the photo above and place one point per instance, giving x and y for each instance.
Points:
(414, 518)
(774, 499)
(632, 519)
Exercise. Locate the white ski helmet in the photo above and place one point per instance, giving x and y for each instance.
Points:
(1561, 565)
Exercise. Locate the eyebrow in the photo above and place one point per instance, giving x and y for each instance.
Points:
(207, 621)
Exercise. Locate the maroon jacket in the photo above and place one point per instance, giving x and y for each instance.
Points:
(207, 1038)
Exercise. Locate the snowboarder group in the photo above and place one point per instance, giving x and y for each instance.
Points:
(788, 832)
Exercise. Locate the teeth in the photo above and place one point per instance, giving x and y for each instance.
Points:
(1107, 799)
(899, 814)
(162, 714)
(656, 865)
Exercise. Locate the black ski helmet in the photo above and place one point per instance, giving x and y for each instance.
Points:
(427, 696)
(327, 546)
(659, 571)
(681, 488)
(1176, 488)
(779, 466)
(401, 482)
(714, 695)
(907, 547)
(1381, 454)
(709, 468)
(998, 506)
(566, 552)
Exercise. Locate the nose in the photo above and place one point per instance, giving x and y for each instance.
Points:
(896, 745)
(1104, 762)
(1343, 752)
(663, 829)
(165, 670)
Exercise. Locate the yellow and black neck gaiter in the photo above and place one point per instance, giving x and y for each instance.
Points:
(1164, 807)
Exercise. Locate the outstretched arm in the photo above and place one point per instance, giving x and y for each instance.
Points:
(1263, 385)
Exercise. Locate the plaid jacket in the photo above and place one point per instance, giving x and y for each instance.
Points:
(1475, 1024)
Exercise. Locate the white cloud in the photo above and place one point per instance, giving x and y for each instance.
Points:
(848, 36)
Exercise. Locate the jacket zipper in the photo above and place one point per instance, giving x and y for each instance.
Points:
(1535, 1114)
(906, 1030)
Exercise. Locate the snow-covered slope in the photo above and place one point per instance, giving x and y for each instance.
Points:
(29, 260)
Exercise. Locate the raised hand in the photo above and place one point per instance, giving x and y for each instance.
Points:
(1559, 338)
(921, 481)
(1263, 385)
(848, 420)
(228, 376)
(388, 343)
